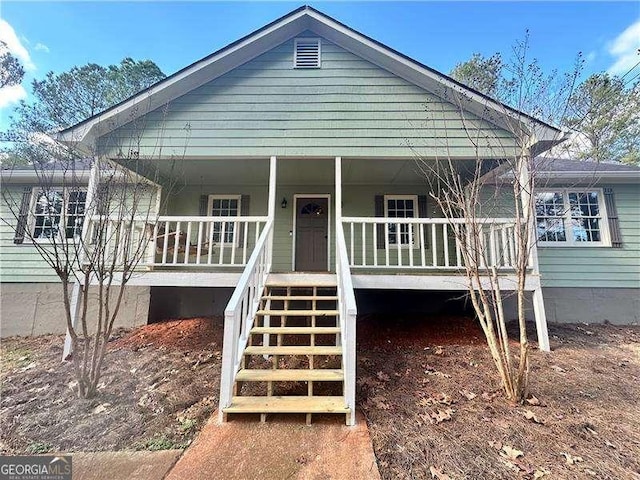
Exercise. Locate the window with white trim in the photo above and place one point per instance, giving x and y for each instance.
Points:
(400, 206)
(224, 206)
(57, 211)
(571, 217)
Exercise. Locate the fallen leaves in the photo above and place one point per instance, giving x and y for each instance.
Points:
(533, 401)
(383, 376)
(380, 402)
(437, 415)
(438, 474)
(510, 453)
(490, 396)
(440, 416)
(432, 371)
(468, 395)
(539, 473)
(101, 408)
(529, 415)
(570, 459)
(439, 399)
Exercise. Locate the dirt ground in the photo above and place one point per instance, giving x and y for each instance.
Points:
(434, 409)
(159, 387)
(426, 386)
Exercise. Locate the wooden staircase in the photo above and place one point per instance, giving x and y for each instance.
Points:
(293, 359)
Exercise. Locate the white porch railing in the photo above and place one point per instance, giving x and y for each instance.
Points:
(347, 316)
(204, 241)
(428, 243)
(179, 241)
(240, 312)
(121, 239)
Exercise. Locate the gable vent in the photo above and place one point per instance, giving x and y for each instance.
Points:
(306, 53)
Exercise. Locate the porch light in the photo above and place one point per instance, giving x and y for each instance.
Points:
(283, 204)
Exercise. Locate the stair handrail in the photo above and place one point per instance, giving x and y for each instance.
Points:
(241, 310)
(347, 311)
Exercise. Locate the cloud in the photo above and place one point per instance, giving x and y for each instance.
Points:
(624, 49)
(11, 94)
(41, 47)
(15, 46)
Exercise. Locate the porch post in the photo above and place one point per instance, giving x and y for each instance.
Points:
(90, 199)
(338, 190)
(151, 248)
(526, 196)
(272, 187)
(271, 212)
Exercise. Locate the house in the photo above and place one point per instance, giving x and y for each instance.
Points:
(294, 148)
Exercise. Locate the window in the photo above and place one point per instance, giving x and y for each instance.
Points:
(58, 211)
(400, 206)
(571, 217)
(224, 206)
(306, 53)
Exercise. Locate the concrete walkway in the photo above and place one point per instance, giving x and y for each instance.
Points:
(282, 448)
(123, 465)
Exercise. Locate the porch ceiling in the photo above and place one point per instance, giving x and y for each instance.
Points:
(303, 171)
(205, 171)
(389, 172)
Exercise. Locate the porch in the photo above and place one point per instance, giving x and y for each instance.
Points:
(357, 237)
(214, 218)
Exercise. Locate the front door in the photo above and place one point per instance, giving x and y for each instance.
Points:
(312, 231)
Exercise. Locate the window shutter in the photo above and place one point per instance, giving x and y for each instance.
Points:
(306, 53)
(612, 215)
(203, 205)
(244, 211)
(422, 206)
(23, 216)
(379, 212)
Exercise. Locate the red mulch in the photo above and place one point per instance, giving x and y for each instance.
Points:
(183, 335)
(382, 332)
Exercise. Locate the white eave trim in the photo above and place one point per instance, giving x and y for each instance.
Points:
(591, 176)
(31, 176)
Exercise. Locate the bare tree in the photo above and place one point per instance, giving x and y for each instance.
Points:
(94, 233)
(499, 182)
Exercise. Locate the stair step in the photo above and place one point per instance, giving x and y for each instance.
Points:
(293, 350)
(299, 313)
(296, 330)
(281, 375)
(287, 405)
(300, 297)
(302, 280)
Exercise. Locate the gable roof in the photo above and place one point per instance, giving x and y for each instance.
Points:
(290, 25)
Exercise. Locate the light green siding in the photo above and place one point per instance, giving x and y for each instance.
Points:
(18, 262)
(23, 262)
(349, 107)
(600, 266)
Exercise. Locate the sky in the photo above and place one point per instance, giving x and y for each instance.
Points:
(54, 36)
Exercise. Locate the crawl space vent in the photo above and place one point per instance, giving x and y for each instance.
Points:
(306, 53)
